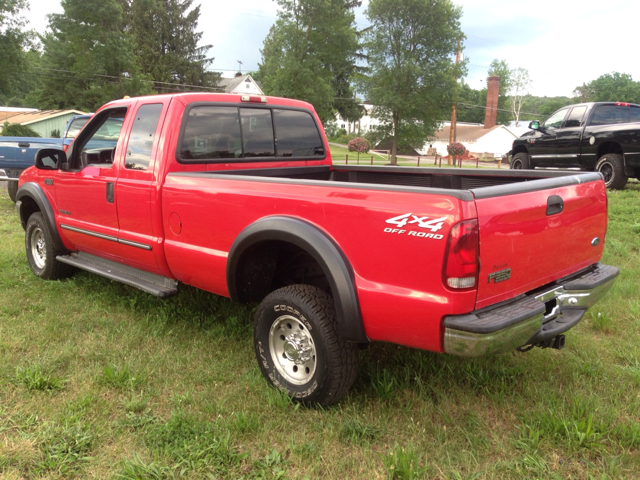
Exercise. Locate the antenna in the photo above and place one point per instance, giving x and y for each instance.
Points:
(239, 66)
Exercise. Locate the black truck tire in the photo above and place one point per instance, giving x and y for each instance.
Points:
(41, 251)
(611, 166)
(520, 161)
(298, 347)
(12, 188)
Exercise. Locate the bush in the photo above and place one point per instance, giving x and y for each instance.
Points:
(359, 145)
(55, 133)
(456, 148)
(17, 130)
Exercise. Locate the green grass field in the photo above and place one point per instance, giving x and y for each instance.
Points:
(98, 380)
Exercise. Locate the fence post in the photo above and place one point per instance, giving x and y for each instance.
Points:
(418, 160)
(371, 159)
(477, 161)
(440, 161)
(358, 160)
(347, 157)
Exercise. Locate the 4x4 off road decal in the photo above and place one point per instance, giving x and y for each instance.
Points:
(414, 220)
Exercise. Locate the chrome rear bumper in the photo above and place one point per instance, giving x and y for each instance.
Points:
(530, 319)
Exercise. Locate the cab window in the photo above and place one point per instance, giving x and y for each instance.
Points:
(575, 117)
(211, 133)
(99, 145)
(555, 120)
(143, 134)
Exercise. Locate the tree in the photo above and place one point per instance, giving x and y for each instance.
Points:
(470, 103)
(611, 87)
(518, 90)
(166, 44)
(12, 40)
(88, 57)
(410, 48)
(500, 68)
(309, 54)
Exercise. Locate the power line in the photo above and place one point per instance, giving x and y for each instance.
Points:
(125, 78)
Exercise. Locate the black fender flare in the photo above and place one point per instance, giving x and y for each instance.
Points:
(323, 249)
(34, 191)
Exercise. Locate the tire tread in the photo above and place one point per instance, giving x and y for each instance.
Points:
(342, 355)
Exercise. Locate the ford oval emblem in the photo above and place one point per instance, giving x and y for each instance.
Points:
(595, 242)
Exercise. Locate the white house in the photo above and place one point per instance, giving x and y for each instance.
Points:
(241, 84)
(494, 141)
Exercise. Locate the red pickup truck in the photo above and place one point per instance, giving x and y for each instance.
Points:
(237, 195)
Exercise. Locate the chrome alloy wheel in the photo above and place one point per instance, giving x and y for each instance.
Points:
(292, 350)
(606, 169)
(38, 248)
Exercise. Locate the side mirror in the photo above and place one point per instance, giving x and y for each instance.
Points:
(50, 159)
(535, 125)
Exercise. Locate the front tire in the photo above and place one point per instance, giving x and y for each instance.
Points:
(298, 347)
(12, 188)
(520, 161)
(611, 166)
(41, 251)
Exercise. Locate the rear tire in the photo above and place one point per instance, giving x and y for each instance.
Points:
(12, 188)
(298, 347)
(520, 161)
(611, 166)
(41, 251)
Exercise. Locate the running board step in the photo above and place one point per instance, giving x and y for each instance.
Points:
(147, 282)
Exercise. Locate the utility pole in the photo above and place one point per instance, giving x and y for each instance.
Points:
(452, 128)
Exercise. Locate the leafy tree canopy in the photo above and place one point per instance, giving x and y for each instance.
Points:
(13, 39)
(88, 57)
(166, 44)
(610, 87)
(309, 54)
(410, 48)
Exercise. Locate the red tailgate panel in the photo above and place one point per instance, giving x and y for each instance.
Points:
(516, 233)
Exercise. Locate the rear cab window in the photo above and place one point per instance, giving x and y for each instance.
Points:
(609, 115)
(219, 133)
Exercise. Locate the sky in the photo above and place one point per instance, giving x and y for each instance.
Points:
(562, 43)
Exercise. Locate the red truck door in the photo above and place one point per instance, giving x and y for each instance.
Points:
(85, 194)
(138, 198)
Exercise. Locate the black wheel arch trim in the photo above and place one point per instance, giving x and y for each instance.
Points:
(34, 191)
(323, 249)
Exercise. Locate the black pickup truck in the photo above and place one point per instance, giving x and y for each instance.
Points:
(599, 136)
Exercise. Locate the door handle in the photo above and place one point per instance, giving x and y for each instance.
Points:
(555, 205)
(24, 145)
(109, 192)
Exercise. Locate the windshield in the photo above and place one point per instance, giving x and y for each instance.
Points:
(75, 127)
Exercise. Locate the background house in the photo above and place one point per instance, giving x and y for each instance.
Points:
(241, 84)
(480, 141)
(44, 122)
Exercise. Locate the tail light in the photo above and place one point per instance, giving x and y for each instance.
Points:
(65, 147)
(461, 256)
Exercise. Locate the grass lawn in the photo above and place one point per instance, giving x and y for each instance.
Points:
(99, 380)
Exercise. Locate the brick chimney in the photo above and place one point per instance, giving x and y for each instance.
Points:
(490, 113)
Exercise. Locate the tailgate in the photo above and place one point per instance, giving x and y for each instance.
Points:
(536, 232)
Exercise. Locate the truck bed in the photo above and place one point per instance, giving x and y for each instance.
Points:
(482, 183)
